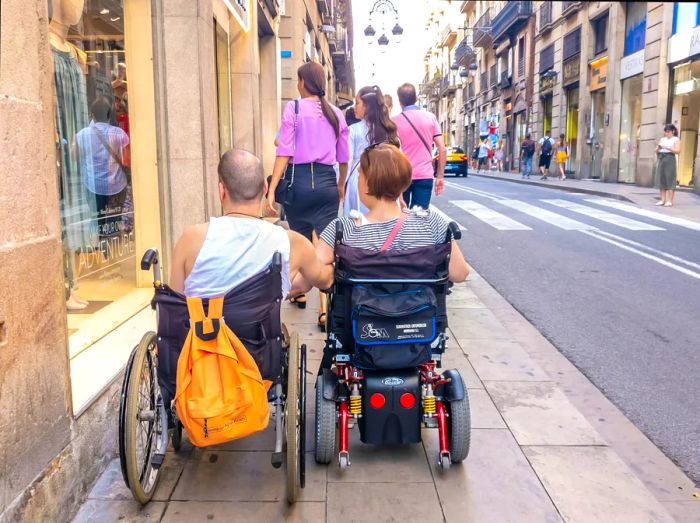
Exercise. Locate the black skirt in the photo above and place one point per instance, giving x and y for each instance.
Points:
(314, 198)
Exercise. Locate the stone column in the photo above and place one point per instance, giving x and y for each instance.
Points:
(35, 384)
(613, 92)
(655, 87)
(270, 87)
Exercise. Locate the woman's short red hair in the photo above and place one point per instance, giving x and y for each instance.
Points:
(387, 171)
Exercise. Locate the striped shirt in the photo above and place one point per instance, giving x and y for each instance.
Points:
(419, 230)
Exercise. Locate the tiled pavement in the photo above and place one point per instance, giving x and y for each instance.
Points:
(546, 447)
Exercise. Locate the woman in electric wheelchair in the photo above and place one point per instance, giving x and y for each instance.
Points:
(387, 321)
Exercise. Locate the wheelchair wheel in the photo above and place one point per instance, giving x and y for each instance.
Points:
(325, 425)
(295, 418)
(144, 421)
(459, 427)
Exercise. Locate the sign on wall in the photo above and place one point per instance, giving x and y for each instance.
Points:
(598, 74)
(571, 70)
(632, 65)
(241, 11)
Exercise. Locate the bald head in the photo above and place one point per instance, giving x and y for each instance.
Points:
(242, 174)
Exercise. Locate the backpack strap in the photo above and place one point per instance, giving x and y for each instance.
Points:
(394, 231)
(207, 327)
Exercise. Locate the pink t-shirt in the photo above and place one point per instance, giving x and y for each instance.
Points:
(315, 137)
(418, 154)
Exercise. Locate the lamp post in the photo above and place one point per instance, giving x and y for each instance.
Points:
(380, 9)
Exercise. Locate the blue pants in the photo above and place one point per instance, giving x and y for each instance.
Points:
(418, 193)
(527, 166)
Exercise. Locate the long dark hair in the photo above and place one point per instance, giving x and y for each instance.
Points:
(380, 127)
(315, 82)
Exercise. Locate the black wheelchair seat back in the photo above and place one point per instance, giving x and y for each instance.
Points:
(252, 312)
(388, 308)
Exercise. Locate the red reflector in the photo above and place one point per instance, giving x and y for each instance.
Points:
(407, 400)
(377, 400)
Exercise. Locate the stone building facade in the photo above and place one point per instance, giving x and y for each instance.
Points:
(173, 84)
(607, 75)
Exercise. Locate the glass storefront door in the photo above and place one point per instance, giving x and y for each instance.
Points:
(520, 131)
(571, 127)
(686, 108)
(630, 126)
(597, 130)
(546, 114)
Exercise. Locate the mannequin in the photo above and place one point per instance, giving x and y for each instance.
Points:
(77, 208)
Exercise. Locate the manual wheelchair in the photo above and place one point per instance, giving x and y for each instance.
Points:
(385, 341)
(147, 417)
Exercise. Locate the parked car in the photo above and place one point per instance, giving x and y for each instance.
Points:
(456, 163)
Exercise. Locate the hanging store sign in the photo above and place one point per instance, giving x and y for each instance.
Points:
(571, 70)
(683, 45)
(598, 74)
(632, 65)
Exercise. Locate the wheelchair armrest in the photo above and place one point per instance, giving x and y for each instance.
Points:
(339, 230)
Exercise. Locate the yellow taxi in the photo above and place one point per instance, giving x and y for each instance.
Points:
(456, 161)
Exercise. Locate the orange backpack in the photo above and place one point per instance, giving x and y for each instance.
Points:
(220, 393)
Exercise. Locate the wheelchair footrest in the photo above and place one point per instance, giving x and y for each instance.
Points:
(157, 460)
(277, 458)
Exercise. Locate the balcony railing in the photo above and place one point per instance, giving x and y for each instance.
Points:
(568, 8)
(484, 82)
(494, 75)
(447, 85)
(482, 36)
(470, 90)
(448, 35)
(545, 22)
(464, 54)
(510, 19)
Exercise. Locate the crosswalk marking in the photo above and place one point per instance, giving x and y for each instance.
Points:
(682, 222)
(599, 214)
(547, 216)
(445, 217)
(489, 216)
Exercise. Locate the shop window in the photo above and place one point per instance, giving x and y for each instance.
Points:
(686, 15)
(103, 97)
(572, 43)
(600, 30)
(547, 58)
(546, 114)
(635, 27)
(223, 87)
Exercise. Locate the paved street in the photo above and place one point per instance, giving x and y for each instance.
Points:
(536, 456)
(613, 285)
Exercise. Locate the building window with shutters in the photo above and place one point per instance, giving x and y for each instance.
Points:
(547, 58)
(600, 30)
(521, 57)
(572, 44)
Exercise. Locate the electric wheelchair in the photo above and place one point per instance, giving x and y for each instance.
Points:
(147, 417)
(385, 341)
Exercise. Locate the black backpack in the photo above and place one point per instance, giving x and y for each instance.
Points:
(547, 146)
(529, 148)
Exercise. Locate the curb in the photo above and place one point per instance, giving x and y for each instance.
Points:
(558, 187)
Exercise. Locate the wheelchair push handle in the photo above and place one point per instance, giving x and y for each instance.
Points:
(151, 259)
(453, 232)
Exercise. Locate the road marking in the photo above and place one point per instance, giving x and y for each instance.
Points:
(683, 270)
(489, 216)
(445, 217)
(651, 249)
(599, 214)
(547, 216)
(682, 222)
(476, 192)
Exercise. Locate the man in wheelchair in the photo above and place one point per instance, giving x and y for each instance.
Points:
(387, 321)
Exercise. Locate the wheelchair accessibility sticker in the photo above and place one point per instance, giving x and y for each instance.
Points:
(369, 332)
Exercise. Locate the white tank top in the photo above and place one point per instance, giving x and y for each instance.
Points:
(234, 250)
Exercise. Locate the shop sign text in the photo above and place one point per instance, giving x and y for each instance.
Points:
(632, 65)
(684, 44)
(547, 83)
(599, 74)
(241, 11)
(571, 70)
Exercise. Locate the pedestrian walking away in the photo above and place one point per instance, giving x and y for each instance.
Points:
(562, 155)
(313, 137)
(666, 174)
(417, 130)
(498, 155)
(527, 151)
(484, 151)
(375, 126)
(546, 146)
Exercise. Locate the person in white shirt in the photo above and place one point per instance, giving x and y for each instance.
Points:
(546, 146)
(669, 146)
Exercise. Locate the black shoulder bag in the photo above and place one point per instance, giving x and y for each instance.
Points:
(283, 191)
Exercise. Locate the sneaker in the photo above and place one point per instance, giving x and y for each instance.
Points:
(660, 203)
(563, 178)
(668, 204)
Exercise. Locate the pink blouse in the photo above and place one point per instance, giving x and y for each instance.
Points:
(315, 137)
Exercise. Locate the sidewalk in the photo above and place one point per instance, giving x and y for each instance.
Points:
(546, 447)
(686, 204)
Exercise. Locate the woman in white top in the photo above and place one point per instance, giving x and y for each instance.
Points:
(375, 126)
(669, 146)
